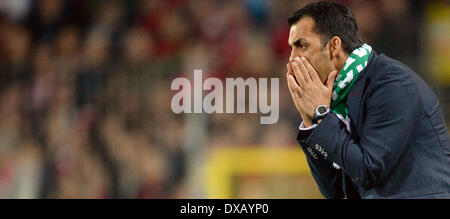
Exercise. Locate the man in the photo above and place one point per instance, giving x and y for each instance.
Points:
(371, 127)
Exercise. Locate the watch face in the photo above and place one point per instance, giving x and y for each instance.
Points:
(322, 110)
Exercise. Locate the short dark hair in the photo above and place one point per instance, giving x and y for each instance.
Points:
(331, 19)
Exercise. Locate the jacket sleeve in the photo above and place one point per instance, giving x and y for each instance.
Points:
(328, 178)
(393, 109)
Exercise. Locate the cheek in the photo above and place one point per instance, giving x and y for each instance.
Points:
(318, 62)
(322, 64)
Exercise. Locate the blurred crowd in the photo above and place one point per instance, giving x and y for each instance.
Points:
(85, 86)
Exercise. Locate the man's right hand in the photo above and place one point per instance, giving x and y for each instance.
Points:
(307, 120)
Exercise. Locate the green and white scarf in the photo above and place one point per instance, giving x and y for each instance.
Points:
(355, 63)
(348, 75)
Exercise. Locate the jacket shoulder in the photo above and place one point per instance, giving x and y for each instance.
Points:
(384, 71)
(383, 67)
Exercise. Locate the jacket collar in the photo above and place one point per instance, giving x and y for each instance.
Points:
(355, 96)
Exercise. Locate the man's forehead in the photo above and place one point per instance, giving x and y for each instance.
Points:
(301, 30)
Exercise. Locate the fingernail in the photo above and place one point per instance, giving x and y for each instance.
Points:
(297, 58)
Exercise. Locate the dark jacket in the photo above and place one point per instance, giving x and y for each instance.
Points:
(398, 146)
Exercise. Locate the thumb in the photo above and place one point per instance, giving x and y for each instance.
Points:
(330, 80)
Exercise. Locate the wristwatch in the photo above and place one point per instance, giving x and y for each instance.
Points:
(320, 112)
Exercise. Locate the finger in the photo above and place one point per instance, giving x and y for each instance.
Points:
(288, 82)
(289, 69)
(330, 80)
(298, 75)
(303, 69)
(311, 70)
(293, 87)
(290, 72)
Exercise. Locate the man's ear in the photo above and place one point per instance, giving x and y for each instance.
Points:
(335, 47)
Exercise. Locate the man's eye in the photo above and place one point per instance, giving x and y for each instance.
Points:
(299, 45)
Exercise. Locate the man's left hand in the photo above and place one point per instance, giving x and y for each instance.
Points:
(306, 88)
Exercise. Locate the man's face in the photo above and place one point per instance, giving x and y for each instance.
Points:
(304, 42)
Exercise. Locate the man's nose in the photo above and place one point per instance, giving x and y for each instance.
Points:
(293, 55)
(291, 58)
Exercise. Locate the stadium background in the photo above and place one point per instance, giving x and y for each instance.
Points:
(85, 94)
